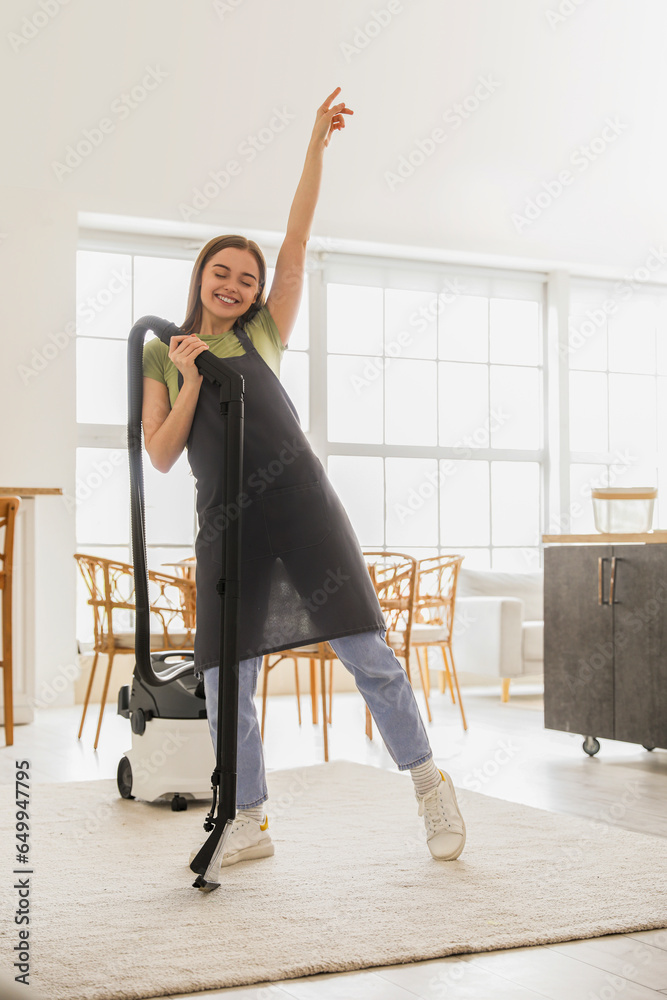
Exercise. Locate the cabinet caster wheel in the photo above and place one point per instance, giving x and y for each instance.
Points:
(591, 746)
(179, 803)
(124, 778)
(648, 746)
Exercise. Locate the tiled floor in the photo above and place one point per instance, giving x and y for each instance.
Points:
(506, 753)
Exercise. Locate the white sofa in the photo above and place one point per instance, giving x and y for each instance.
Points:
(498, 624)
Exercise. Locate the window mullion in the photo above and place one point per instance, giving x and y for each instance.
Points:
(557, 404)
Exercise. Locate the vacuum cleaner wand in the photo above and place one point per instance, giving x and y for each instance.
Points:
(231, 384)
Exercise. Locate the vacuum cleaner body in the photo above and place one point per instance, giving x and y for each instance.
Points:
(172, 755)
(167, 707)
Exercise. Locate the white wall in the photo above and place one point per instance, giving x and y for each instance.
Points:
(37, 249)
(221, 72)
(226, 73)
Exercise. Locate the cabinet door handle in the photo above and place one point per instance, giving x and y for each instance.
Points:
(612, 581)
(601, 560)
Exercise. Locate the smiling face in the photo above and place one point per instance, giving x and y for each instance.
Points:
(229, 286)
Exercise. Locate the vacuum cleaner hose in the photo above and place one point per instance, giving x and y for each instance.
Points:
(135, 392)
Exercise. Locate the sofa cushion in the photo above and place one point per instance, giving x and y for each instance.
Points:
(424, 633)
(533, 641)
(528, 587)
(488, 636)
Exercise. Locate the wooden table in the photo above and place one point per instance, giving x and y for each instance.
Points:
(24, 622)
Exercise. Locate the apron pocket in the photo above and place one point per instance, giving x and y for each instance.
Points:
(295, 517)
(254, 539)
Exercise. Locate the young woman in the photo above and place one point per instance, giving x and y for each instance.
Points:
(303, 576)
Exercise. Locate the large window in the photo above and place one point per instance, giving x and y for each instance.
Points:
(420, 386)
(617, 391)
(435, 411)
(423, 388)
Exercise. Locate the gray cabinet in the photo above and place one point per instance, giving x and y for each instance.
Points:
(605, 642)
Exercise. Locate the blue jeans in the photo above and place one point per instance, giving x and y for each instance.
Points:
(380, 678)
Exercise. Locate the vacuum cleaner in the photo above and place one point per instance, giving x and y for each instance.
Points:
(171, 742)
(166, 701)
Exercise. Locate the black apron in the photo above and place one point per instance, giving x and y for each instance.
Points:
(303, 574)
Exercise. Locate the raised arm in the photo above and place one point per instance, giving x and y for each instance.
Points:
(285, 295)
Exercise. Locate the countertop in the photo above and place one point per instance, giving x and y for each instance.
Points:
(649, 537)
(29, 491)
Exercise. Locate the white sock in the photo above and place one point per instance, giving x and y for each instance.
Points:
(257, 813)
(426, 777)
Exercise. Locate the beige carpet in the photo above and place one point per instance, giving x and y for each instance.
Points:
(351, 885)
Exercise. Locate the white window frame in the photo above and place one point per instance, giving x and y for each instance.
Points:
(605, 286)
(319, 389)
(144, 237)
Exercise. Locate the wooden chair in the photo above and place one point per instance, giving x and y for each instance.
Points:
(394, 581)
(321, 651)
(8, 508)
(394, 576)
(433, 621)
(111, 588)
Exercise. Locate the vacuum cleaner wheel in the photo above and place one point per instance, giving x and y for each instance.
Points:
(124, 778)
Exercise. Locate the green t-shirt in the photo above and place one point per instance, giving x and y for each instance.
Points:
(261, 329)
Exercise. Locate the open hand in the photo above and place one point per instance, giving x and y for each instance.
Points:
(329, 120)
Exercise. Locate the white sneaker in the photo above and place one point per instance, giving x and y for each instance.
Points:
(248, 839)
(445, 829)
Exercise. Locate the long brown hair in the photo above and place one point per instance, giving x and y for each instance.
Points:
(193, 316)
